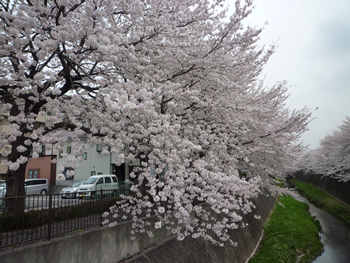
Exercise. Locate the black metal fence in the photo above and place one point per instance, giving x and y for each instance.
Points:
(47, 216)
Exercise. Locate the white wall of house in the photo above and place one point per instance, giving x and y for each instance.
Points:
(93, 162)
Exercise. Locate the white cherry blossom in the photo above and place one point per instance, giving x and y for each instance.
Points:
(332, 157)
(176, 83)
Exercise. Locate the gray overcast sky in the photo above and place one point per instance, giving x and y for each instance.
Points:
(313, 55)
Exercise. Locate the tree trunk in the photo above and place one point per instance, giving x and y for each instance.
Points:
(15, 191)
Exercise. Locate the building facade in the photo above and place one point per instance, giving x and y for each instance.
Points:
(93, 162)
(42, 167)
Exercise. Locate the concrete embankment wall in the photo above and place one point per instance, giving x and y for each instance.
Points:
(199, 250)
(112, 244)
(328, 184)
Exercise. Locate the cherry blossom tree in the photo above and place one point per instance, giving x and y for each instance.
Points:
(332, 157)
(176, 83)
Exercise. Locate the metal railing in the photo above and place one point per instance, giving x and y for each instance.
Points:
(47, 216)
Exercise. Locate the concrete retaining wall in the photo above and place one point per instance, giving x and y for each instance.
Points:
(328, 184)
(199, 250)
(112, 244)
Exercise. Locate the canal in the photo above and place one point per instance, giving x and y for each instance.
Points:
(335, 235)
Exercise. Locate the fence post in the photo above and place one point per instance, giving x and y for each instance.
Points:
(101, 207)
(49, 223)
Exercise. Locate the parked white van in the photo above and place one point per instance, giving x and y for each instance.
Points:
(36, 186)
(93, 186)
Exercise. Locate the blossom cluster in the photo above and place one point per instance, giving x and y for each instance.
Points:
(332, 157)
(174, 84)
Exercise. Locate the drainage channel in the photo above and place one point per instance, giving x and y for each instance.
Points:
(335, 235)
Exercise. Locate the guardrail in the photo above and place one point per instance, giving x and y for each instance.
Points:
(48, 216)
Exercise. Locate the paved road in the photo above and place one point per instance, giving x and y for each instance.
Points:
(335, 236)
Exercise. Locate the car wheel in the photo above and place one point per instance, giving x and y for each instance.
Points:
(43, 192)
(92, 195)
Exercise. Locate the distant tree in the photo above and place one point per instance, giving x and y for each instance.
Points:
(332, 157)
(176, 83)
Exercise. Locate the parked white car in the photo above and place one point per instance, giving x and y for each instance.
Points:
(71, 191)
(36, 186)
(93, 186)
(31, 186)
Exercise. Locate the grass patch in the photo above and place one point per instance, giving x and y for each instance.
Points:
(323, 200)
(290, 235)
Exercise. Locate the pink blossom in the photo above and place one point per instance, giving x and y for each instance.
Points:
(181, 102)
(161, 210)
(158, 225)
(21, 148)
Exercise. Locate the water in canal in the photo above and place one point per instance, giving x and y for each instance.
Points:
(335, 236)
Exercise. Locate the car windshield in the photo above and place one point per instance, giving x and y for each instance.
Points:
(91, 180)
(76, 184)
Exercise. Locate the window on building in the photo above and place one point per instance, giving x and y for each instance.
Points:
(85, 155)
(93, 173)
(69, 149)
(42, 150)
(33, 173)
(60, 153)
(98, 147)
